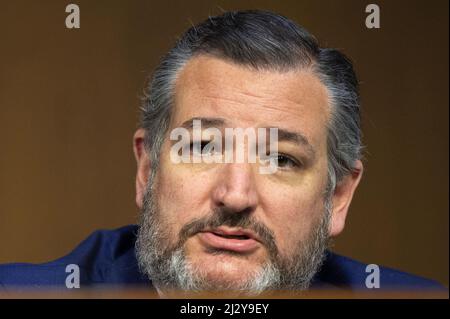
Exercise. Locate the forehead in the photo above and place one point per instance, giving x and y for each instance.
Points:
(210, 87)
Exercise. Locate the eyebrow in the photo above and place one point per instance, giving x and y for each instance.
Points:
(205, 121)
(283, 135)
(297, 138)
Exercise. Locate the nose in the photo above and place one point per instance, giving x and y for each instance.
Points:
(236, 188)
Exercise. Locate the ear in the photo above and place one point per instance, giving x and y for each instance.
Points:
(143, 166)
(342, 198)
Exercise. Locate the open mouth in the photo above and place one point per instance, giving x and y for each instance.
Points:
(241, 237)
(227, 239)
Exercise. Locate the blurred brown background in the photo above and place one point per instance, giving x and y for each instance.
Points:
(69, 106)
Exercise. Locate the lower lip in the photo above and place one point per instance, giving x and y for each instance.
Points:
(237, 245)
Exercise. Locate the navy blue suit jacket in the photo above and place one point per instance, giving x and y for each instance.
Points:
(108, 257)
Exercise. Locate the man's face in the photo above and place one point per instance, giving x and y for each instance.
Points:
(228, 221)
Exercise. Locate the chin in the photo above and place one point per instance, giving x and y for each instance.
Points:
(226, 272)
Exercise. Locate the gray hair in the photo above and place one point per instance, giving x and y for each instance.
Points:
(262, 40)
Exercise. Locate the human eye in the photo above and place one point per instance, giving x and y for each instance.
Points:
(203, 147)
(283, 161)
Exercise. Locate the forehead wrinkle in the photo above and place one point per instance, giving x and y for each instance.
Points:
(278, 105)
(208, 76)
(288, 108)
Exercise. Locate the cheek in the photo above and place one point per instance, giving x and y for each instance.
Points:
(172, 198)
(180, 195)
(292, 214)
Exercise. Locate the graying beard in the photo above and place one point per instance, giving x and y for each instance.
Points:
(168, 268)
(190, 278)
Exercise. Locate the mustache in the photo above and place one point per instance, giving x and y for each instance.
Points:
(223, 216)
